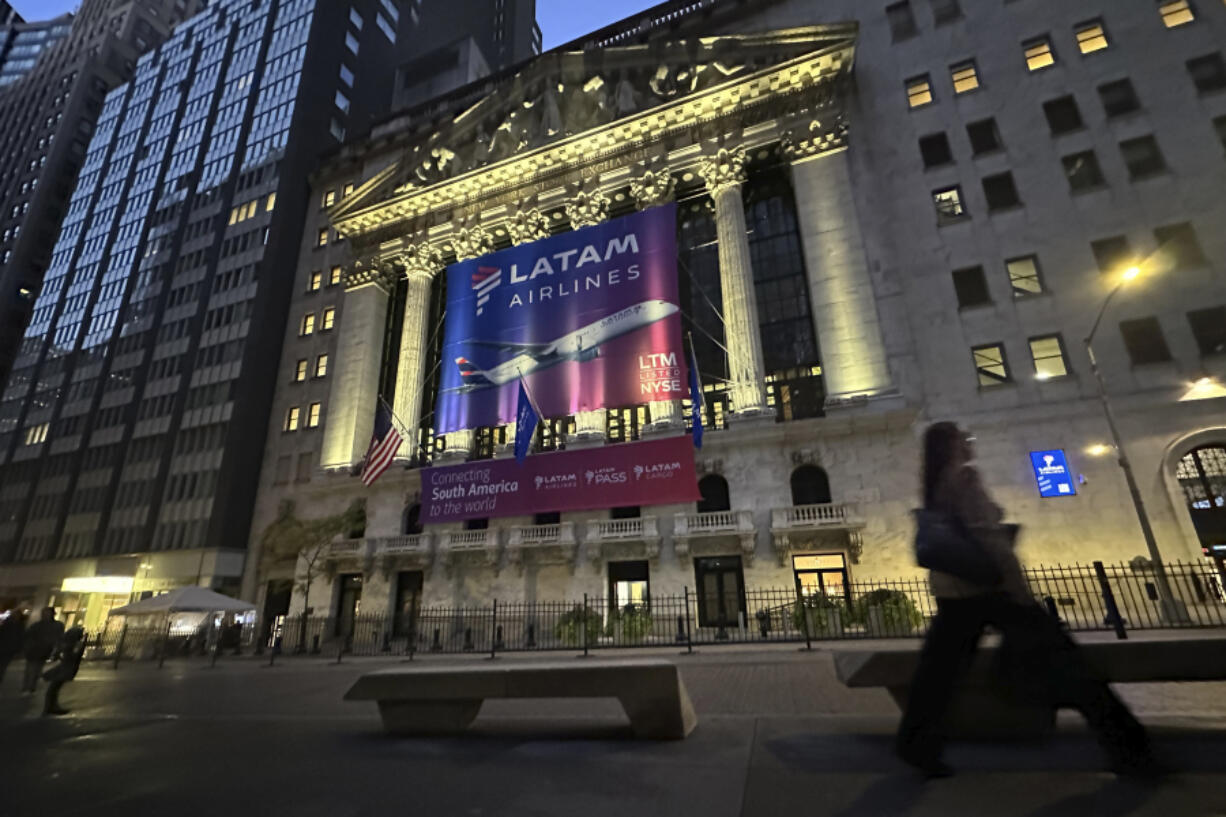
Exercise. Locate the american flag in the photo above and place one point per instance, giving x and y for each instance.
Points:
(384, 444)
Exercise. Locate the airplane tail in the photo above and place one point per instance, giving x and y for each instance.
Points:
(470, 374)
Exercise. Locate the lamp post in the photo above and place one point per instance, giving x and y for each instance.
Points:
(1171, 608)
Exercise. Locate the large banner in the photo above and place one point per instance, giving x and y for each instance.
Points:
(589, 319)
(656, 472)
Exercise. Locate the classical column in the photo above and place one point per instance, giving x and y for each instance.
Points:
(654, 185)
(469, 240)
(355, 386)
(421, 262)
(724, 173)
(853, 354)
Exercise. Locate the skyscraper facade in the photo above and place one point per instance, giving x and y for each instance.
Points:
(133, 422)
(53, 77)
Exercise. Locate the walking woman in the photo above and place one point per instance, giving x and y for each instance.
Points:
(982, 584)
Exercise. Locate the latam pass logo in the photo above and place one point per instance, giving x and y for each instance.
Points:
(485, 281)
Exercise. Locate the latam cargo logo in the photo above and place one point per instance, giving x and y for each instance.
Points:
(659, 470)
(485, 281)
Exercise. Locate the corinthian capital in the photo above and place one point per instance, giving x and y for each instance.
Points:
(653, 188)
(366, 271)
(471, 240)
(813, 138)
(587, 207)
(527, 225)
(421, 260)
(723, 170)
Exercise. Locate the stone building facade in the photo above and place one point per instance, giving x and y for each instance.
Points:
(889, 214)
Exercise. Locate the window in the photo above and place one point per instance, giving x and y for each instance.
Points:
(1209, 329)
(1144, 341)
(919, 91)
(334, 276)
(990, 365)
(300, 373)
(984, 136)
(1176, 13)
(1142, 157)
(327, 319)
(1024, 276)
(387, 28)
(964, 76)
(329, 199)
(321, 366)
(351, 42)
(971, 287)
(949, 204)
(291, 418)
(317, 281)
(1091, 36)
(1114, 254)
(308, 324)
(1179, 244)
(346, 75)
(1208, 73)
(1038, 53)
(1119, 98)
(322, 241)
(1063, 115)
(934, 148)
(37, 434)
(342, 101)
(346, 190)
(270, 203)
(356, 19)
(945, 11)
(902, 21)
(1083, 172)
(313, 416)
(1001, 192)
(1047, 352)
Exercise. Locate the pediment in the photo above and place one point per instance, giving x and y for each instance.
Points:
(566, 93)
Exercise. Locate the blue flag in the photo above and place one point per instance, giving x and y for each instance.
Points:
(526, 418)
(696, 405)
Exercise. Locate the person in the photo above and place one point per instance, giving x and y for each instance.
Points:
(1038, 657)
(12, 633)
(71, 649)
(40, 641)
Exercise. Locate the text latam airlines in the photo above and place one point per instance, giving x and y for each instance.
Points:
(563, 262)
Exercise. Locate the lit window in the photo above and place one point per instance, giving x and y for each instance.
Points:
(1176, 13)
(949, 204)
(270, 203)
(291, 419)
(990, 365)
(347, 190)
(1039, 54)
(321, 366)
(329, 317)
(1091, 37)
(964, 76)
(387, 28)
(323, 238)
(233, 216)
(308, 324)
(1048, 355)
(313, 416)
(919, 91)
(329, 199)
(300, 373)
(346, 76)
(342, 101)
(37, 434)
(1024, 276)
(351, 42)
(356, 19)
(317, 281)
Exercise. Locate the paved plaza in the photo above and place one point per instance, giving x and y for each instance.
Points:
(777, 735)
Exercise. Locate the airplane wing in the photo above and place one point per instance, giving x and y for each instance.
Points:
(533, 349)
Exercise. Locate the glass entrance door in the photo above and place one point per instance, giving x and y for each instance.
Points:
(824, 574)
(408, 602)
(349, 604)
(721, 592)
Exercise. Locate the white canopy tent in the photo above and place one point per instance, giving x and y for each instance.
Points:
(184, 600)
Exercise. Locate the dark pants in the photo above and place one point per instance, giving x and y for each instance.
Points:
(1038, 661)
(34, 668)
(51, 703)
(4, 665)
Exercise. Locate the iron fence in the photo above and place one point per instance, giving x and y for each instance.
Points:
(1083, 597)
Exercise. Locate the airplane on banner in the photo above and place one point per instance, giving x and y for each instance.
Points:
(582, 345)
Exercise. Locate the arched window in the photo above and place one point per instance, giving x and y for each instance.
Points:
(410, 520)
(1202, 476)
(714, 490)
(810, 486)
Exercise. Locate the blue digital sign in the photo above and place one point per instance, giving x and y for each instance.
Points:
(1052, 473)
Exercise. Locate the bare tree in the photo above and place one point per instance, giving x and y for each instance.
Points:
(305, 543)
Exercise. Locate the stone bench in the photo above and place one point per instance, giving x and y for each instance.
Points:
(981, 708)
(434, 700)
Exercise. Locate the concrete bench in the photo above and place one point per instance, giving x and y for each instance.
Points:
(434, 700)
(982, 708)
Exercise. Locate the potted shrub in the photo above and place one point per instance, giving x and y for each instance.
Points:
(887, 612)
(572, 624)
(635, 624)
(820, 614)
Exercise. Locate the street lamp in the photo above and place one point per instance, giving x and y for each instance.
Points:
(1172, 609)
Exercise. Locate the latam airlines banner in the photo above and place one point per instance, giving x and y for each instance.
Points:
(589, 319)
(656, 472)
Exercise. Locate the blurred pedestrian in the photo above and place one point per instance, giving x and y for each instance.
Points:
(977, 581)
(69, 651)
(40, 641)
(12, 634)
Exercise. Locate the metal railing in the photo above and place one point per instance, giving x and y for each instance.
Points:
(803, 516)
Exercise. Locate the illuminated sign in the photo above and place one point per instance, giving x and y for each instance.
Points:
(114, 585)
(1052, 474)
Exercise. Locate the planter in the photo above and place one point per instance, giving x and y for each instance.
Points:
(825, 622)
